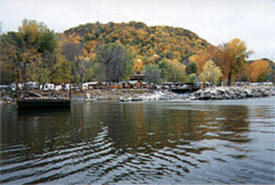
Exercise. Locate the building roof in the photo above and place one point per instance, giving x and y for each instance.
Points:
(91, 83)
(132, 81)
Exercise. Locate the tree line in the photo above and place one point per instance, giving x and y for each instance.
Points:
(114, 52)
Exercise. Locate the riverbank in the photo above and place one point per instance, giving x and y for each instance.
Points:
(104, 95)
(215, 93)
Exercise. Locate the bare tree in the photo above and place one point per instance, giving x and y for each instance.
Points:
(72, 53)
(115, 60)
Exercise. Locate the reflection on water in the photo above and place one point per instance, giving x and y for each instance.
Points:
(201, 142)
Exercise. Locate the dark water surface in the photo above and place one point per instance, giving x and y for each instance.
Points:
(157, 142)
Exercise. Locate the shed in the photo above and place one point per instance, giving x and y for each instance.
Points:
(123, 84)
(139, 77)
(134, 84)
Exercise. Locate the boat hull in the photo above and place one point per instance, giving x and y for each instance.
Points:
(42, 103)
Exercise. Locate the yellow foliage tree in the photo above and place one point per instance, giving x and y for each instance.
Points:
(231, 57)
(174, 71)
(211, 73)
(201, 58)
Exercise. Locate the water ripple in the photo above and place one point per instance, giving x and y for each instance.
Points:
(141, 144)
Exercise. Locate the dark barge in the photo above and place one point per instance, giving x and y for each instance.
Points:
(31, 103)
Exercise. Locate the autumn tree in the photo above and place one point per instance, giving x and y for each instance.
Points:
(138, 65)
(201, 57)
(9, 57)
(21, 50)
(116, 62)
(173, 71)
(257, 71)
(231, 57)
(153, 43)
(210, 73)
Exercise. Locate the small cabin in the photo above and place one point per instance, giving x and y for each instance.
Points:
(144, 85)
(138, 77)
(93, 85)
(134, 84)
(103, 85)
(113, 85)
(123, 84)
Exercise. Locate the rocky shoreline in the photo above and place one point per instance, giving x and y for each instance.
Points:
(125, 95)
(220, 93)
(210, 93)
(129, 95)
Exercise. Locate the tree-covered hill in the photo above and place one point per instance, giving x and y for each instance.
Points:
(115, 51)
(149, 43)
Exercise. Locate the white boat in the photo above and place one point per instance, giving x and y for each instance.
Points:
(137, 99)
(125, 99)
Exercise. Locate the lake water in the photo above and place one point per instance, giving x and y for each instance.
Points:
(229, 141)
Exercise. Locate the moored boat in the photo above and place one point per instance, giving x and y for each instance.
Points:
(27, 103)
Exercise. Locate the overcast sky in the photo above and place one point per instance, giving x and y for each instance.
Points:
(217, 21)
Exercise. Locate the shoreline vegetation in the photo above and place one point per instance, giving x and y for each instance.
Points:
(110, 55)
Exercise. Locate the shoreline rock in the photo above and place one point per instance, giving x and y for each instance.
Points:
(223, 92)
(126, 95)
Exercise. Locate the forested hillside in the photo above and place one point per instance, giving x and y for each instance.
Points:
(116, 51)
(149, 43)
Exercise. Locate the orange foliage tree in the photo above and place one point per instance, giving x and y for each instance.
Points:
(231, 57)
(257, 71)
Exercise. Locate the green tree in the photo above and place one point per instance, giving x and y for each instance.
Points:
(163, 65)
(97, 71)
(172, 71)
(191, 68)
(175, 72)
(152, 73)
(130, 70)
(210, 73)
(192, 77)
(62, 70)
(88, 71)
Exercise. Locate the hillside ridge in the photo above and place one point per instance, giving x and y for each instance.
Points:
(169, 42)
